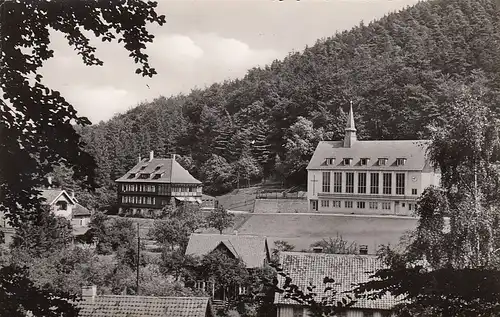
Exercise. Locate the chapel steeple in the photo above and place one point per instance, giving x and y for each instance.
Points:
(350, 129)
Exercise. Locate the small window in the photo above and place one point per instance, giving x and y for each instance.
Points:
(386, 206)
(242, 290)
(298, 312)
(336, 203)
(330, 161)
(414, 191)
(382, 161)
(400, 161)
(347, 161)
(348, 204)
(62, 205)
(410, 206)
(364, 161)
(325, 203)
(373, 205)
(361, 205)
(131, 175)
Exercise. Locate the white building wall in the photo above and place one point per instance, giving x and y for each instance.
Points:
(399, 204)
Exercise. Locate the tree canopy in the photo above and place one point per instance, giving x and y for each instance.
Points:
(37, 124)
(435, 268)
(398, 71)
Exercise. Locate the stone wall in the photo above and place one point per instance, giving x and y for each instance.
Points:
(280, 206)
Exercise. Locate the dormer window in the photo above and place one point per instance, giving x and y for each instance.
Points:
(158, 167)
(132, 175)
(400, 161)
(143, 167)
(382, 161)
(144, 176)
(330, 161)
(364, 161)
(347, 161)
(156, 176)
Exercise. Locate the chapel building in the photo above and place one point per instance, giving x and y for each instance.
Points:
(368, 177)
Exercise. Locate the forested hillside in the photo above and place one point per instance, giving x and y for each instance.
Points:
(398, 71)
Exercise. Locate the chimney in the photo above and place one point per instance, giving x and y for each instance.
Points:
(140, 159)
(89, 292)
(49, 180)
(151, 155)
(363, 249)
(73, 194)
(317, 250)
(235, 232)
(173, 157)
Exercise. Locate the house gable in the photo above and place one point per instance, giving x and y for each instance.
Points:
(226, 249)
(251, 249)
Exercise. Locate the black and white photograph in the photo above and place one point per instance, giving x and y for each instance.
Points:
(249, 158)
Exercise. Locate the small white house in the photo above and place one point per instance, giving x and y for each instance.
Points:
(61, 204)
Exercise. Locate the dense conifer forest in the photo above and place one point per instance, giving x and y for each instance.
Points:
(398, 71)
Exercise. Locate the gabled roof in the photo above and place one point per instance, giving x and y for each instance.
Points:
(347, 271)
(253, 250)
(145, 306)
(167, 171)
(52, 195)
(412, 150)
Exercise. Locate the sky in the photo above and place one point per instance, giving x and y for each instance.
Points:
(202, 42)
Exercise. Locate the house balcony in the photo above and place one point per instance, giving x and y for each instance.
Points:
(186, 194)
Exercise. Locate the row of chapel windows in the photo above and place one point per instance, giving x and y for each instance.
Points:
(361, 204)
(382, 161)
(139, 200)
(362, 183)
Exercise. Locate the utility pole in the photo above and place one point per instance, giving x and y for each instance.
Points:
(138, 258)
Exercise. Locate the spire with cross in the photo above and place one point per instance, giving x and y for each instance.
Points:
(350, 129)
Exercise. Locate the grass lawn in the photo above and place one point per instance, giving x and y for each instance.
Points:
(302, 230)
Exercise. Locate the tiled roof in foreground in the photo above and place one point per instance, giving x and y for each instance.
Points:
(145, 306)
(347, 271)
